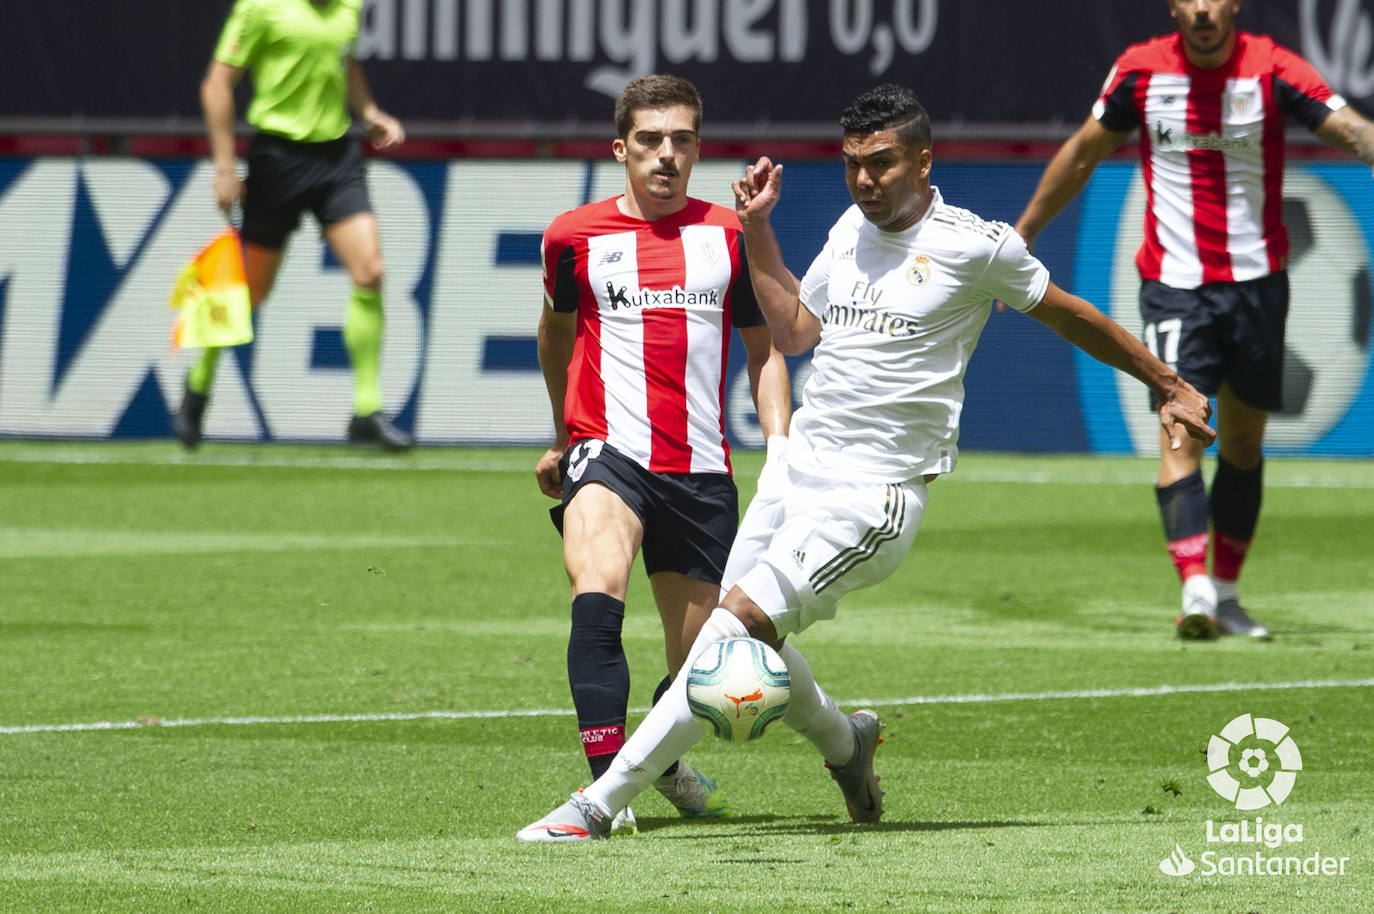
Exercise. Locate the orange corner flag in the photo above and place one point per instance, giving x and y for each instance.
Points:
(211, 297)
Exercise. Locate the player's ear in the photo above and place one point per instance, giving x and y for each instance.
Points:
(618, 150)
(924, 157)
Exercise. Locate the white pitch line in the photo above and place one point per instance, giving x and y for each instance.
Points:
(451, 459)
(440, 462)
(974, 698)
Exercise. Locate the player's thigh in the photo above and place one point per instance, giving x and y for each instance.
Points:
(761, 520)
(602, 516)
(684, 603)
(601, 537)
(833, 540)
(260, 267)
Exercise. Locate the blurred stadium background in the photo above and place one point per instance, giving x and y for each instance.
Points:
(104, 195)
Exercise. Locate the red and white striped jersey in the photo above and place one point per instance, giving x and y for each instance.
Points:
(655, 302)
(1212, 149)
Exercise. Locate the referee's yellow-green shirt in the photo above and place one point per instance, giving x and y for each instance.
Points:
(297, 53)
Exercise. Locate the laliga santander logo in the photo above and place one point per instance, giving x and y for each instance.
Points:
(1253, 761)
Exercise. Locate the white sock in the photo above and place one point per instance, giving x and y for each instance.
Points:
(667, 731)
(1226, 590)
(813, 713)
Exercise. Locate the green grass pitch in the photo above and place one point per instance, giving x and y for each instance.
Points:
(301, 679)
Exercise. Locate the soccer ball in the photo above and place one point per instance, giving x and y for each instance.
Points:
(737, 688)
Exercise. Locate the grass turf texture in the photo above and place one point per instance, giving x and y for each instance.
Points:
(283, 582)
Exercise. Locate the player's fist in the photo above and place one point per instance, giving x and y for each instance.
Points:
(758, 191)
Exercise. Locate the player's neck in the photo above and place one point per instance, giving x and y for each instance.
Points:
(650, 209)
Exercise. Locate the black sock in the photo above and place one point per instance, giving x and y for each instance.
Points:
(1236, 497)
(599, 676)
(1183, 508)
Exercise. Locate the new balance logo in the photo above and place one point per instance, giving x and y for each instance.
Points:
(610, 257)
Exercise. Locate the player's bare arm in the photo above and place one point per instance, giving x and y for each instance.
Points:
(1347, 129)
(1067, 175)
(383, 129)
(795, 329)
(557, 332)
(1079, 322)
(217, 105)
(768, 380)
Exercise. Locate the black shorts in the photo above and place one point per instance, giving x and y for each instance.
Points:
(1221, 332)
(689, 519)
(286, 178)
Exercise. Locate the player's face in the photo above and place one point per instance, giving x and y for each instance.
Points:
(888, 179)
(659, 152)
(1207, 26)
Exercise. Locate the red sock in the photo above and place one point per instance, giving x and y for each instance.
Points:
(1228, 555)
(601, 744)
(1190, 555)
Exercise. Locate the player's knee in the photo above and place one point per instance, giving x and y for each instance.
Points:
(369, 274)
(748, 614)
(1242, 448)
(597, 619)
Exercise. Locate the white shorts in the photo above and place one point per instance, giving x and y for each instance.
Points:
(800, 550)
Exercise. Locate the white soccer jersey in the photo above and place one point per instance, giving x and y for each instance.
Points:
(901, 313)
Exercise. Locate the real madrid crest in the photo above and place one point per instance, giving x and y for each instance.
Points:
(920, 271)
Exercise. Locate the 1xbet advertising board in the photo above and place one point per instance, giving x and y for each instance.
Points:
(90, 248)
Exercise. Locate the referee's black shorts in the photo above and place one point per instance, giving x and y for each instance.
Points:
(689, 519)
(286, 178)
(1221, 332)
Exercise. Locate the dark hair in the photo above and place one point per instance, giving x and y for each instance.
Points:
(657, 90)
(885, 107)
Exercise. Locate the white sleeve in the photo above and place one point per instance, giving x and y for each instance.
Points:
(1014, 275)
(814, 284)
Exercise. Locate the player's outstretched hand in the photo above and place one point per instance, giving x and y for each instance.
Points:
(547, 475)
(758, 191)
(1185, 411)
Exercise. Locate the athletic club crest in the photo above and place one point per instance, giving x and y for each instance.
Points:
(920, 271)
(710, 252)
